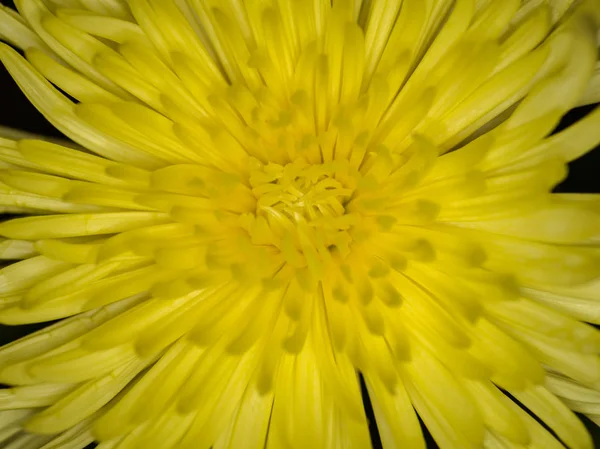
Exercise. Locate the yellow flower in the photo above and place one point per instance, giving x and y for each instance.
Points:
(262, 199)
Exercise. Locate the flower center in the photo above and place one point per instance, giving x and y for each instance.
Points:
(314, 193)
(300, 209)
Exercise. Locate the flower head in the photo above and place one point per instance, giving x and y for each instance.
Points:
(262, 199)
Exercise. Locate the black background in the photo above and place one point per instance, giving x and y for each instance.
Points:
(17, 112)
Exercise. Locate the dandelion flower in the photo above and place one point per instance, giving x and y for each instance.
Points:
(262, 201)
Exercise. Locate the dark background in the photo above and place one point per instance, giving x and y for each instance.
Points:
(17, 112)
